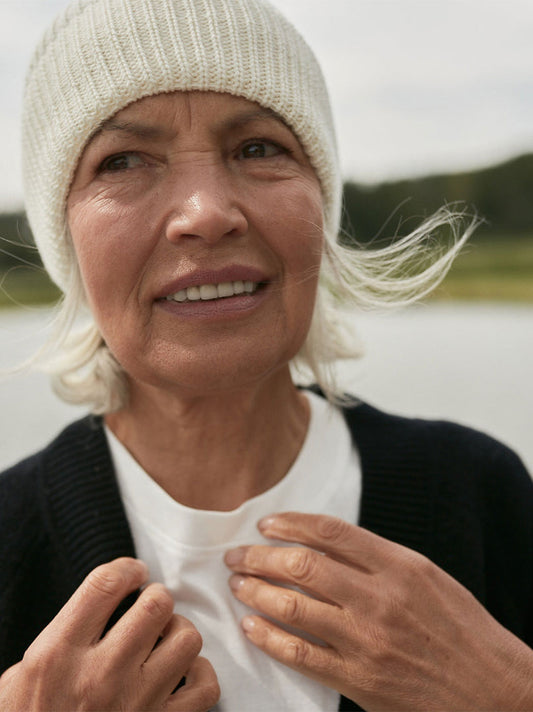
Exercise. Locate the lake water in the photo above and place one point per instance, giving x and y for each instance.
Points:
(471, 363)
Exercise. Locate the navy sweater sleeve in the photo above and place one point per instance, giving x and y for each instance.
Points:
(483, 524)
(60, 516)
(34, 580)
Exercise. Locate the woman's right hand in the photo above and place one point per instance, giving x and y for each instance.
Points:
(137, 664)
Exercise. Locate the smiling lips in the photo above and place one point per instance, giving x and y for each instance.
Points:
(208, 292)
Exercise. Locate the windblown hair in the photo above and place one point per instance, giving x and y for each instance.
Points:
(84, 371)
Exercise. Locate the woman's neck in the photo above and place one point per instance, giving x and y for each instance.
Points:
(215, 451)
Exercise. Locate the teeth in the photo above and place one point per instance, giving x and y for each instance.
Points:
(193, 294)
(206, 292)
(225, 289)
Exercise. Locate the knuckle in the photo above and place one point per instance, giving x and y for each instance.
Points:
(301, 564)
(10, 674)
(299, 653)
(413, 570)
(424, 566)
(290, 609)
(411, 563)
(40, 657)
(105, 580)
(157, 603)
(332, 529)
(35, 662)
(189, 641)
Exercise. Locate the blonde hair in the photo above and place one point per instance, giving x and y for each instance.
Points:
(84, 371)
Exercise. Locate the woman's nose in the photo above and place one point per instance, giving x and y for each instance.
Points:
(204, 206)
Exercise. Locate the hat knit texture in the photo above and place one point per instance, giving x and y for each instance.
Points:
(101, 55)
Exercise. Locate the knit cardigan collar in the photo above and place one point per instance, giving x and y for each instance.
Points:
(84, 503)
(87, 514)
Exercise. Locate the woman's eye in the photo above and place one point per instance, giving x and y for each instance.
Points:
(120, 162)
(260, 149)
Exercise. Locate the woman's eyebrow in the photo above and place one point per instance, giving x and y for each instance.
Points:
(131, 128)
(139, 129)
(239, 120)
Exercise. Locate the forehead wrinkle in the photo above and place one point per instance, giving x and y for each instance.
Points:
(137, 129)
(245, 117)
(140, 129)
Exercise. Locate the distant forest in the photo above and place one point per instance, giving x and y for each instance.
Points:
(502, 195)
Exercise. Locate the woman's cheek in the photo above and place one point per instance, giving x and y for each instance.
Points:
(108, 239)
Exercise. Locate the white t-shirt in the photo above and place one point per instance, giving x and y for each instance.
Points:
(184, 549)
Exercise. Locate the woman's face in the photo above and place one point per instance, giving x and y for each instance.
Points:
(197, 223)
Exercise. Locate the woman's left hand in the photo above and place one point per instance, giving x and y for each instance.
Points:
(397, 632)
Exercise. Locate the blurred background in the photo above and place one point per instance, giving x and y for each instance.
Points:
(433, 101)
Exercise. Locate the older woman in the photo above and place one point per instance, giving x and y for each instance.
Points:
(183, 189)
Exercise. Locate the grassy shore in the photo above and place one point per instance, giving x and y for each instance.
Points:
(492, 269)
(496, 269)
(26, 286)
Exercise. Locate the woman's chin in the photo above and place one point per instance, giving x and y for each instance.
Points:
(197, 379)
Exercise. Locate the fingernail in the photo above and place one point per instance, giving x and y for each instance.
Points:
(234, 556)
(266, 522)
(236, 582)
(248, 624)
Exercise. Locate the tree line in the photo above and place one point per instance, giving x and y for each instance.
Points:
(502, 195)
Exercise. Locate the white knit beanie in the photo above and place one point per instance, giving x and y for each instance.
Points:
(101, 55)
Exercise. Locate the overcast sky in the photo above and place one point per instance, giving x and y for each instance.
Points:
(417, 86)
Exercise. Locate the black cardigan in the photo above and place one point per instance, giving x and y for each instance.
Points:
(451, 493)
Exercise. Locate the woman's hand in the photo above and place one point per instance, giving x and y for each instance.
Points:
(398, 633)
(136, 666)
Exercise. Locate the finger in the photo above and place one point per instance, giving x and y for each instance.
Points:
(340, 540)
(173, 656)
(84, 617)
(291, 608)
(134, 636)
(315, 661)
(319, 575)
(201, 691)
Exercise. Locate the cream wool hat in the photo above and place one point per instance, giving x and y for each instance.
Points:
(101, 55)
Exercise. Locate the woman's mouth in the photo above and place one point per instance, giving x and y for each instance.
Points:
(208, 292)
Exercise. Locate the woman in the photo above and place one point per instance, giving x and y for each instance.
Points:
(183, 189)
